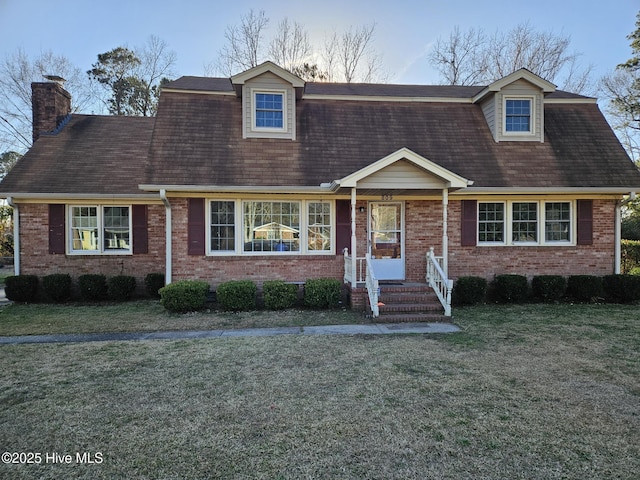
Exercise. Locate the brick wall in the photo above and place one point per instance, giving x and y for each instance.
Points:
(423, 222)
(596, 259)
(217, 269)
(36, 260)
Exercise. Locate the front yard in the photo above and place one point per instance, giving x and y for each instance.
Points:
(523, 392)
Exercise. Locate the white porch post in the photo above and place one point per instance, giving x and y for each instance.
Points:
(167, 235)
(354, 260)
(445, 229)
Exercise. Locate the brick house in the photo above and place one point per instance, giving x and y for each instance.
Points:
(263, 176)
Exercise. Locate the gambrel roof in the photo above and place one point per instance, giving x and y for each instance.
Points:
(196, 142)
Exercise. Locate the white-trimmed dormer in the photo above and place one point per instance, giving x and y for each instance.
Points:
(268, 94)
(514, 106)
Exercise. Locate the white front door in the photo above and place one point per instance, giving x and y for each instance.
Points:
(386, 239)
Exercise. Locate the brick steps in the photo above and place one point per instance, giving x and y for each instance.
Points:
(409, 303)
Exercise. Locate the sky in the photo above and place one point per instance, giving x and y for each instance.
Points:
(406, 30)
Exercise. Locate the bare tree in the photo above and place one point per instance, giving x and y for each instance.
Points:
(344, 57)
(17, 72)
(460, 59)
(350, 57)
(473, 58)
(243, 49)
(290, 47)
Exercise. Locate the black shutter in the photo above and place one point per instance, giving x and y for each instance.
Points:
(195, 234)
(343, 226)
(140, 230)
(469, 223)
(585, 222)
(56, 228)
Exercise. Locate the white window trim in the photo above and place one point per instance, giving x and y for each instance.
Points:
(239, 226)
(100, 214)
(254, 127)
(236, 211)
(541, 225)
(504, 227)
(532, 116)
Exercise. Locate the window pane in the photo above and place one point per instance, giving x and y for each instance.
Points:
(223, 229)
(269, 110)
(116, 228)
(84, 228)
(319, 226)
(518, 115)
(271, 226)
(525, 222)
(557, 225)
(491, 222)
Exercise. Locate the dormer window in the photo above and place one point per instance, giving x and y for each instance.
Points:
(518, 115)
(269, 110)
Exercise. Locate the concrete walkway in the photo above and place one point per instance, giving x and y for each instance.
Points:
(372, 329)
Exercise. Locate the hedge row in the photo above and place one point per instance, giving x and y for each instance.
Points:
(241, 295)
(58, 287)
(510, 288)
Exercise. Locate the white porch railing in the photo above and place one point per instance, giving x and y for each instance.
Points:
(373, 289)
(360, 268)
(437, 279)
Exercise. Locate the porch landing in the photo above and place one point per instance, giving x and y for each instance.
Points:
(402, 302)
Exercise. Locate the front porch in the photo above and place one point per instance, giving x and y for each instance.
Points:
(395, 300)
(395, 237)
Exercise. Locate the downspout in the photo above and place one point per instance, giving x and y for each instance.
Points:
(167, 230)
(618, 231)
(16, 236)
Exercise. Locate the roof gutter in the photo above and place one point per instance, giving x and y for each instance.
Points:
(16, 235)
(618, 231)
(167, 234)
(235, 189)
(76, 196)
(543, 190)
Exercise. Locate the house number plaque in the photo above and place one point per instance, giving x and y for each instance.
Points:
(387, 197)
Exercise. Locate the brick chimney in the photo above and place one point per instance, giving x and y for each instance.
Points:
(51, 104)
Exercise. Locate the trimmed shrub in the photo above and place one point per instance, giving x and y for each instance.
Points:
(510, 288)
(121, 287)
(549, 288)
(469, 290)
(621, 288)
(322, 293)
(57, 287)
(237, 295)
(279, 295)
(93, 287)
(21, 288)
(629, 254)
(585, 288)
(184, 296)
(153, 282)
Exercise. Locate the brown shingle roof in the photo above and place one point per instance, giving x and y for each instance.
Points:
(198, 141)
(90, 155)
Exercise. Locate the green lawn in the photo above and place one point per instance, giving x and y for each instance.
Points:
(523, 392)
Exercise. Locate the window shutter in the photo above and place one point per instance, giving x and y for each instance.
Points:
(140, 230)
(585, 222)
(469, 223)
(195, 234)
(343, 225)
(56, 229)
